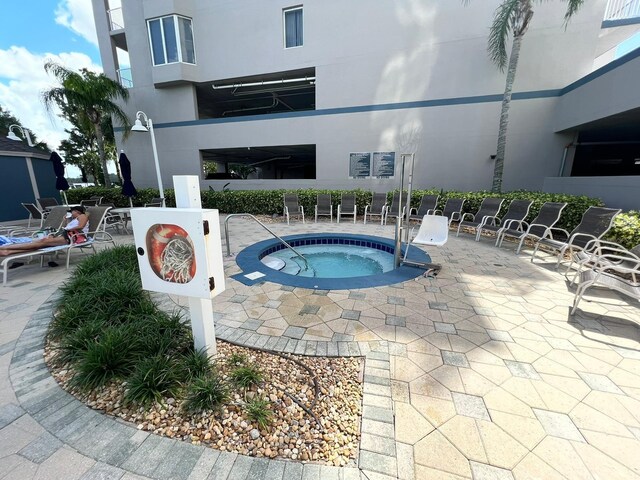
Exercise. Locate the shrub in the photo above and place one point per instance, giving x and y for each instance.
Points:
(246, 376)
(626, 229)
(111, 356)
(205, 393)
(74, 345)
(164, 334)
(257, 410)
(194, 364)
(153, 378)
(237, 359)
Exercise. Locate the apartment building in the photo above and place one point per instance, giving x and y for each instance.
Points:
(272, 94)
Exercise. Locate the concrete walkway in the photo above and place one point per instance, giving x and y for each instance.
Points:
(479, 374)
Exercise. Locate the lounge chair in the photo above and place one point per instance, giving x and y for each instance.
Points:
(324, 206)
(428, 206)
(347, 206)
(51, 222)
(292, 207)
(153, 205)
(487, 212)
(113, 220)
(392, 211)
(434, 230)
(614, 272)
(47, 202)
(91, 202)
(452, 210)
(595, 222)
(595, 252)
(517, 212)
(547, 217)
(34, 213)
(97, 235)
(377, 207)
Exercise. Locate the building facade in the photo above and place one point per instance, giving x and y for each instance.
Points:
(269, 94)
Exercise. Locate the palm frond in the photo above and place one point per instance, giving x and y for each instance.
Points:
(499, 32)
(572, 7)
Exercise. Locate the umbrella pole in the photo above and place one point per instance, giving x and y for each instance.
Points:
(64, 196)
(130, 202)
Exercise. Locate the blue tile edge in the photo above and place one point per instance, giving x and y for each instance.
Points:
(249, 261)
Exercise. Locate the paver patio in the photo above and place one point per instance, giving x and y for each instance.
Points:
(480, 373)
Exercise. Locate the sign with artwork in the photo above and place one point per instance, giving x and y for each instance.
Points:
(384, 164)
(179, 251)
(360, 164)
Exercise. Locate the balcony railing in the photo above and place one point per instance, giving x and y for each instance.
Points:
(116, 19)
(622, 10)
(125, 78)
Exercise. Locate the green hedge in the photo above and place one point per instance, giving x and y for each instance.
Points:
(626, 229)
(269, 202)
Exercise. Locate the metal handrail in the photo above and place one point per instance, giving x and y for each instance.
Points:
(226, 235)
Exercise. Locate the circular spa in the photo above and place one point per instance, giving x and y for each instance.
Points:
(331, 262)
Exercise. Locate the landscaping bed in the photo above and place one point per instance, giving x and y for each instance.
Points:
(110, 346)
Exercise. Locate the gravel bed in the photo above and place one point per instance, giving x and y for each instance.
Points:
(326, 430)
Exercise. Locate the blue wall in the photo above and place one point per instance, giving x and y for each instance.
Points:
(45, 178)
(15, 188)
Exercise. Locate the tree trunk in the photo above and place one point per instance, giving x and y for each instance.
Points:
(504, 114)
(83, 173)
(101, 154)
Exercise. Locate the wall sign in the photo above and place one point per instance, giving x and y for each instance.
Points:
(384, 164)
(360, 164)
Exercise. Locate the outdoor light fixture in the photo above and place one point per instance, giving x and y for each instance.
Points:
(25, 134)
(139, 127)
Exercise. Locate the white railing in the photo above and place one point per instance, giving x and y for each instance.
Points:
(116, 19)
(622, 9)
(125, 78)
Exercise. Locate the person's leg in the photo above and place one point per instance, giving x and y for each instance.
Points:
(35, 245)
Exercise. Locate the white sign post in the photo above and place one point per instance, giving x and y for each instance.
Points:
(180, 252)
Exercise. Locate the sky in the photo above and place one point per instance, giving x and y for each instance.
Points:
(32, 32)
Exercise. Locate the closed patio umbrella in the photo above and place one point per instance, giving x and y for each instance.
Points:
(58, 168)
(128, 190)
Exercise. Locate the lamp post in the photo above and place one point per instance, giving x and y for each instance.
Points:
(139, 127)
(25, 134)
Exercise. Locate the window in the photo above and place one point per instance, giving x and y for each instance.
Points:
(293, 27)
(171, 40)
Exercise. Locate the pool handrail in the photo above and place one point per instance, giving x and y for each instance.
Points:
(226, 235)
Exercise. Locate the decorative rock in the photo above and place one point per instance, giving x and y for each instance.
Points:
(255, 434)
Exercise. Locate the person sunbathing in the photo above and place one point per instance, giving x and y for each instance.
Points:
(75, 231)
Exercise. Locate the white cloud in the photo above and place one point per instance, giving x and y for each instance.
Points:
(22, 81)
(77, 16)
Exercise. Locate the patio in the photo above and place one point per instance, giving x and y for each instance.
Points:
(480, 373)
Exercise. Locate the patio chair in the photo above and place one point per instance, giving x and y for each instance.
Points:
(114, 220)
(47, 202)
(595, 222)
(547, 217)
(51, 222)
(91, 202)
(153, 205)
(452, 210)
(292, 207)
(96, 215)
(614, 272)
(434, 230)
(487, 212)
(392, 211)
(428, 206)
(517, 212)
(595, 251)
(377, 207)
(324, 206)
(97, 198)
(347, 206)
(34, 213)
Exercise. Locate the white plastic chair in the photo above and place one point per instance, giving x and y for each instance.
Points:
(434, 230)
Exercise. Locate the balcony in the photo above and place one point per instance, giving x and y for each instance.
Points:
(621, 12)
(125, 78)
(116, 19)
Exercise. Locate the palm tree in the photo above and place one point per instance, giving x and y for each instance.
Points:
(91, 97)
(512, 17)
